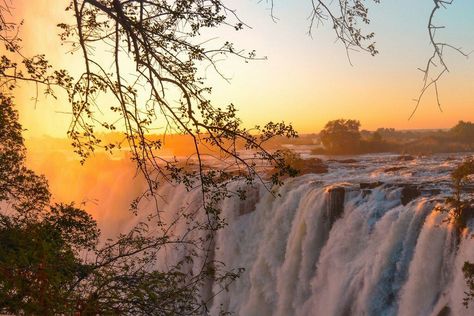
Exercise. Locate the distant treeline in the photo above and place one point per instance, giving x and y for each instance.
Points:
(339, 137)
(344, 137)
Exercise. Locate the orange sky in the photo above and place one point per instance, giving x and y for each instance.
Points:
(304, 81)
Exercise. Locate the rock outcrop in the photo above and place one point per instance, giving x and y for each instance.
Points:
(409, 193)
(335, 204)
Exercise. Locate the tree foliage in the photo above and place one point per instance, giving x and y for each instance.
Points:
(38, 243)
(460, 210)
(52, 260)
(39, 260)
(165, 91)
(341, 136)
(19, 186)
(348, 18)
(463, 131)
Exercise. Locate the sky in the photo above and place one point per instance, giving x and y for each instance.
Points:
(304, 80)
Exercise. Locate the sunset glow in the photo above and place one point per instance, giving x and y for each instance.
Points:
(306, 81)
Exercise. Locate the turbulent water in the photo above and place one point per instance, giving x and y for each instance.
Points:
(343, 243)
(362, 239)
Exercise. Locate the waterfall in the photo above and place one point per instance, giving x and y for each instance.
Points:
(372, 245)
(336, 249)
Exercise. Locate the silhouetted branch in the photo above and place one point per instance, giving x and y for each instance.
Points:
(436, 66)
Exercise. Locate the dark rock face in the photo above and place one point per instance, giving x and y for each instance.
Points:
(314, 165)
(430, 191)
(393, 169)
(468, 188)
(405, 158)
(446, 311)
(335, 204)
(365, 192)
(343, 160)
(409, 193)
(370, 185)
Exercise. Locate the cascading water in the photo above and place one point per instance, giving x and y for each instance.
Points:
(378, 257)
(371, 245)
(327, 248)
